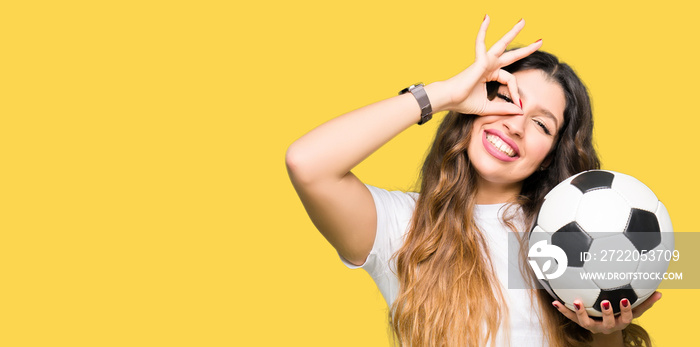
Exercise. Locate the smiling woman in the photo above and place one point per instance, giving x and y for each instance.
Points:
(519, 122)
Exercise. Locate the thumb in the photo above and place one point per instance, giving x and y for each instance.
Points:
(502, 109)
(647, 304)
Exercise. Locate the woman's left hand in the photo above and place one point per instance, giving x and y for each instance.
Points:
(610, 323)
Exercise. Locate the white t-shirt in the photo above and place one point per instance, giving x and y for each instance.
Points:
(394, 211)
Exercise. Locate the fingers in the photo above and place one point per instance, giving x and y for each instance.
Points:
(565, 311)
(500, 46)
(647, 304)
(606, 326)
(626, 314)
(481, 37)
(582, 316)
(512, 56)
(501, 109)
(506, 78)
(609, 322)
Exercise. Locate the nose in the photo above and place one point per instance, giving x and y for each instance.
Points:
(515, 125)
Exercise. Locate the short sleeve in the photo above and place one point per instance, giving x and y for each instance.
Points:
(394, 211)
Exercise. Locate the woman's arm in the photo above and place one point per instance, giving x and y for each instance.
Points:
(319, 163)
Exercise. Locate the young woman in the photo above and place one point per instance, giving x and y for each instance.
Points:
(519, 122)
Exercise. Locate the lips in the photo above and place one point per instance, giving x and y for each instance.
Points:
(500, 146)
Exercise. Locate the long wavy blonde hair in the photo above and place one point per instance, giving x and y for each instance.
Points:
(449, 294)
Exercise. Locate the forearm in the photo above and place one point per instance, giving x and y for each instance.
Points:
(332, 149)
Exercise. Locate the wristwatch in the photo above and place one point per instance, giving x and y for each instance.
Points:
(426, 111)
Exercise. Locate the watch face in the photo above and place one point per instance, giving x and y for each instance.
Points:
(412, 87)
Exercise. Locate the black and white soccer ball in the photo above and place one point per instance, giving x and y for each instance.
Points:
(604, 222)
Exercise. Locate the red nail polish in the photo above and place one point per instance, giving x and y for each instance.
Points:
(625, 302)
(538, 40)
(485, 16)
(606, 305)
(521, 103)
(555, 305)
(577, 305)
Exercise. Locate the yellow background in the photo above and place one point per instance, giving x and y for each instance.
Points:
(145, 200)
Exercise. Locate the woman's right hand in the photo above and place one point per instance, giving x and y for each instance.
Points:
(467, 90)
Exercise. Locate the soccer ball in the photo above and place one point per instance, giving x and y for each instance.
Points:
(607, 237)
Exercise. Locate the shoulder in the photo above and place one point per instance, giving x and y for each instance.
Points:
(394, 214)
(393, 201)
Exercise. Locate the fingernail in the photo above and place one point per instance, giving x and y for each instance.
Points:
(577, 305)
(555, 305)
(519, 21)
(625, 302)
(606, 305)
(538, 40)
(521, 103)
(486, 16)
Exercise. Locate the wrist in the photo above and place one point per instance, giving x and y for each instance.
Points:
(438, 93)
(613, 339)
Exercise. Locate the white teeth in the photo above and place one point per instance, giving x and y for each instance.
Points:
(502, 146)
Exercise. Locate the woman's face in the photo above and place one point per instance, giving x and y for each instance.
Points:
(505, 150)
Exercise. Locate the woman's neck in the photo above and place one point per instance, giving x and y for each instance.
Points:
(488, 193)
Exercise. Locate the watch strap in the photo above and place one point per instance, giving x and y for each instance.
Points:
(426, 110)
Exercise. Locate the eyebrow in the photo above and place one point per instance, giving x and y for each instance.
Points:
(549, 114)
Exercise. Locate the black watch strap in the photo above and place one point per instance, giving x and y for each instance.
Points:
(426, 111)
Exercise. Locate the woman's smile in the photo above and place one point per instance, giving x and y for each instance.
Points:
(499, 145)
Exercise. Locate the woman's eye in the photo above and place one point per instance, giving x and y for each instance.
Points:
(543, 126)
(504, 97)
